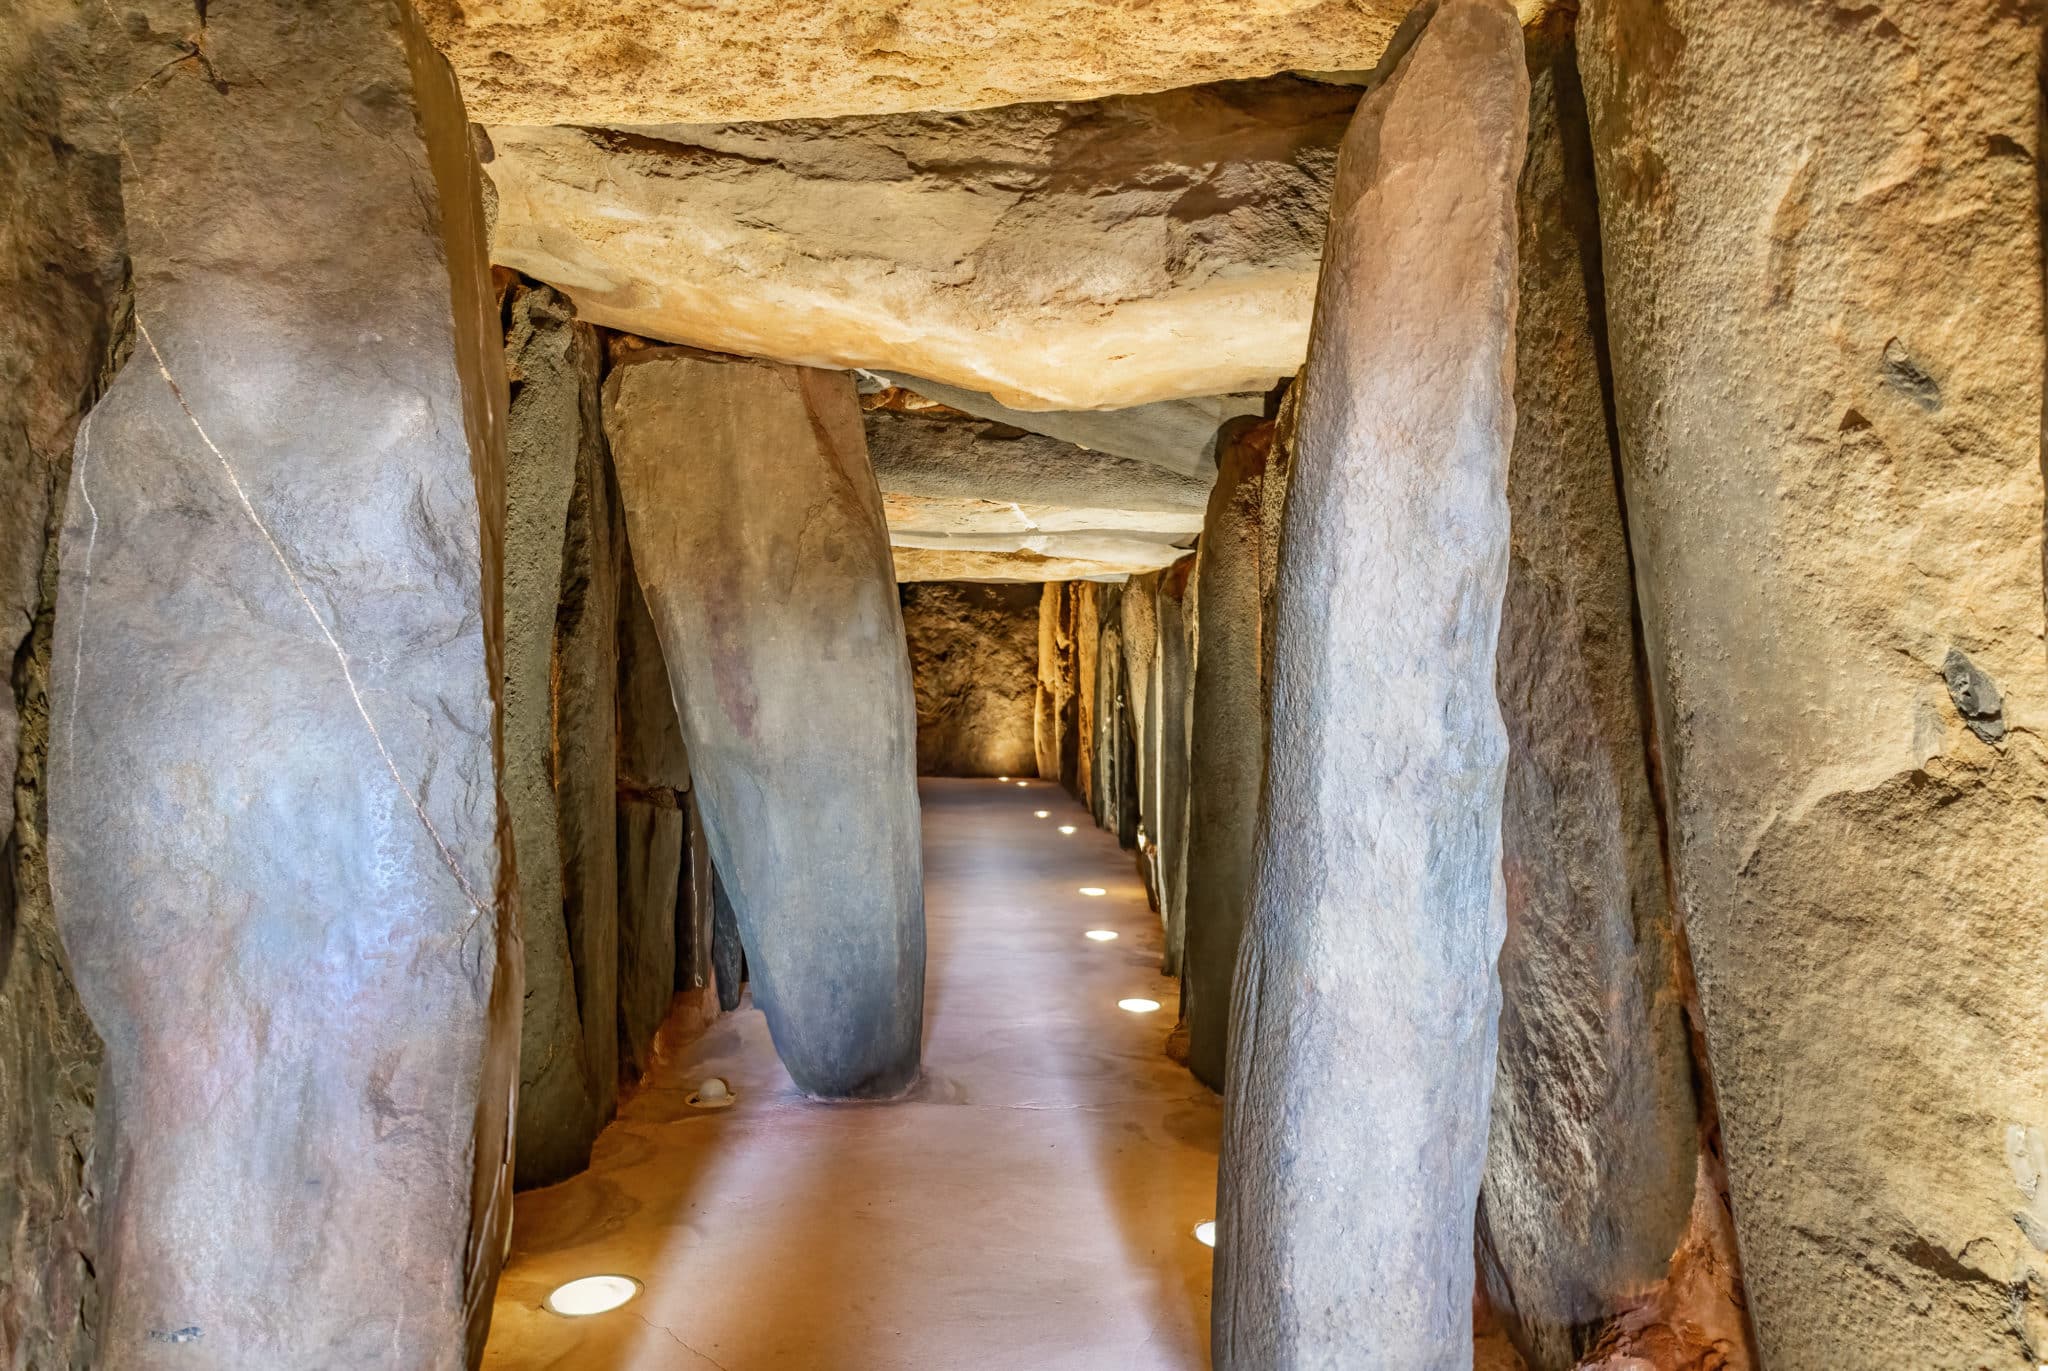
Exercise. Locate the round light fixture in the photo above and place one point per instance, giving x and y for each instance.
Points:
(1137, 1005)
(1100, 935)
(591, 1295)
(1002, 778)
(1066, 828)
(1041, 813)
(1205, 1232)
(1093, 890)
(1022, 784)
(712, 1093)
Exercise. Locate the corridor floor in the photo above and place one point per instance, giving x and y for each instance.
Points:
(1031, 1206)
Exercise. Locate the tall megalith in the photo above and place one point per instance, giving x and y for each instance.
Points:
(758, 537)
(1173, 696)
(1362, 1046)
(277, 844)
(1822, 246)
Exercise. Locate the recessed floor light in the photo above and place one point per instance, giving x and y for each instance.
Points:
(1022, 784)
(1066, 828)
(592, 1295)
(1002, 778)
(1205, 1232)
(1137, 1005)
(1100, 935)
(1093, 890)
(1042, 813)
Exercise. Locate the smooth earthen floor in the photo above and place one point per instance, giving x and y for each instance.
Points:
(1031, 1206)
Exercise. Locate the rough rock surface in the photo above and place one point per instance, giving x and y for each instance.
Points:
(549, 360)
(1139, 625)
(1593, 1147)
(758, 537)
(927, 564)
(276, 839)
(610, 62)
(1087, 639)
(1174, 698)
(1822, 252)
(1178, 435)
(974, 663)
(1367, 992)
(1226, 744)
(1064, 256)
(61, 273)
(1045, 724)
(729, 959)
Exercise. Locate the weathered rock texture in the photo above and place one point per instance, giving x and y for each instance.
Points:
(1593, 1148)
(1226, 744)
(952, 564)
(552, 363)
(758, 537)
(277, 847)
(1362, 1050)
(1822, 250)
(1064, 256)
(1174, 698)
(974, 664)
(1045, 721)
(524, 62)
(1139, 625)
(1087, 636)
(61, 273)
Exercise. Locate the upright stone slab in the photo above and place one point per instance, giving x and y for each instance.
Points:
(1593, 1146)
(1362, 1047)
(1175, 692)
(1226, 743)
(758, 537)
(546, 352)
(1823, 256)
(1087, 684)
(1141, 658)
(277, 844)
(728, 956)
(1045, 733)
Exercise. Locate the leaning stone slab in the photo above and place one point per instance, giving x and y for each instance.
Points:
(1362, 1047)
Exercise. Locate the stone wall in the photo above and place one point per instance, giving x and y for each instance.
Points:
(974, 664)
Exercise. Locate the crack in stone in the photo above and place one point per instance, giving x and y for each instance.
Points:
(92, 542)
(298, 589)
(678, 1341)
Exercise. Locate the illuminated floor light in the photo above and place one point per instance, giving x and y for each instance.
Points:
(1100, 935)
(1205, 1232)
(1066, 828)
(1002, 778)
(1093, 890)
(1137, 1005)
(1022, 784)
(1041, 813)
(592, 1295)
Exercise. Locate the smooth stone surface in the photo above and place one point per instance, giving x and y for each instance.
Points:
(525, 62)
(1054, 256)
(758, 538)
(974, 665)
(1593, 1148)
(62, 273)
(1031, 1205)
(277, 844)
(1822, 239)
(951, 564)
(1362, 1044)
(548, 355)
(1226, 743)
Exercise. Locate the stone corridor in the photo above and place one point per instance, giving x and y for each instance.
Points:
(1032, 1207)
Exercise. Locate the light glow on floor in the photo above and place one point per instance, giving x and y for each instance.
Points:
(1002, 778)
(592, 1295)
(1041, 813)
(1022, 784)
(1205, 1232)
(1093, 890)
(1137, 1005)
(1066, 828)
(1100, 935)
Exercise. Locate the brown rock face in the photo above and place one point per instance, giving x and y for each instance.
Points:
(1362, 1043)
(757, 536)
(1822, 260)
(61, 270)
(277, 846)
(1174, 695)
(611, 62)
(974, 663)
(1063, 256)
(1593, 1150)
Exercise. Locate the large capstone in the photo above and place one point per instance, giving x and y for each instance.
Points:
(1226, 743)
(1054, 256)
(1823, 249)
(1593, 1148)
(1362, 1042)
(757, 535)
(277, 845)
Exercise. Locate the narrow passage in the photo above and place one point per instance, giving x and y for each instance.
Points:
(1031, 1206)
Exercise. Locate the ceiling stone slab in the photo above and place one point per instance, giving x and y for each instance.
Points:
(1072, 256)
(631, 62)
(925, 564)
